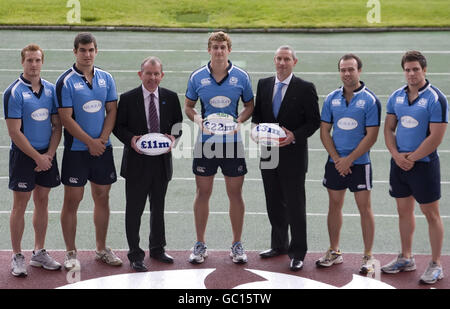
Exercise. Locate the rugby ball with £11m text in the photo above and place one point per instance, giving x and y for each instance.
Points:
(220, 123)
(268, 134)
(153, 144)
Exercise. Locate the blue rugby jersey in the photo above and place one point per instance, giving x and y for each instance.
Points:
(430, 106)
(222, 97)
(34, 109)
(350, 120)
(87, 100)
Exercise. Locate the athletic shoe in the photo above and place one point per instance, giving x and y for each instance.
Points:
(401, 263)
(199, 253)
(367, 265)
(42, 259)
(238, 254)
(70, 261)
(331, 257)
(433, 273)
(108, 257)
(18, 268)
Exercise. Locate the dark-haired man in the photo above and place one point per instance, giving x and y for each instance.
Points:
(353, 113)
(85, 93)
(416, 120)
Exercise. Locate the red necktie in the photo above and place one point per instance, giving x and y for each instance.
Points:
(153, 115)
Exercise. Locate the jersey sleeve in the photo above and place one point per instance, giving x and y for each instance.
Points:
(326, 114)
(439, 109)
(12, 104)
(112, 91)
(63, 94)
(373, 115)
(247, 92)
(191, 91)
(390, 104)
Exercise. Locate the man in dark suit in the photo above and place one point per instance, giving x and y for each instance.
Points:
(147, 109)
(292, 103)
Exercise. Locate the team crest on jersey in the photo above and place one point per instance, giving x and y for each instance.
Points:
(360, 103)
(336, 102)
(422, 102)
(48, 92)
(233, 80)
(205, 81)
(101, 83)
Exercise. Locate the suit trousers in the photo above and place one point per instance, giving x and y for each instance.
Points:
(152, 185)
(285, 202)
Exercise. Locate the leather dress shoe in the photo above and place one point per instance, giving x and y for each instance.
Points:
(270, 253)
(162, 257)
(296, 264)
(139, 266)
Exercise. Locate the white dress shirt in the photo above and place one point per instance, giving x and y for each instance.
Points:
(286, 84)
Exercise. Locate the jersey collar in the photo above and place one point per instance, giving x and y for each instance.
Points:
(78, 72)
(421, 90)
(357, 90)
(27, 83)
(229, 68)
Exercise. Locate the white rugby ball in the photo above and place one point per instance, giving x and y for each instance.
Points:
(220, 123)
(268, 134)
(153, 144)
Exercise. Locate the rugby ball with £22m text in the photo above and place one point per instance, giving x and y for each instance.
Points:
(153, 144)
(268, 134)
(220, 123)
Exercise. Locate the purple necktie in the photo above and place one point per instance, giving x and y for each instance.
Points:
(153, 115)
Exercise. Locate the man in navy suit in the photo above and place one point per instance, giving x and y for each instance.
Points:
(147, 109)
(292, 103)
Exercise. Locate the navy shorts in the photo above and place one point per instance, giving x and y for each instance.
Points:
(423, 181)
(22, 176)
(80, 166)
(360, 179)
(230, 157)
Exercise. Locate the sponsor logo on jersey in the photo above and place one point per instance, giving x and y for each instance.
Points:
(40, 114)
(336, 102)
(205, 81)
(409, 122)
(220, 101)
(26, 95)
(399, 100)
(347, 123)
(92, 106)
(78, 86)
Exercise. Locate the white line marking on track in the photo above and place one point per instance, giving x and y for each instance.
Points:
(249, 213)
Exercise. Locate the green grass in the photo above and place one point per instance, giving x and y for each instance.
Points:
(228, 13)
